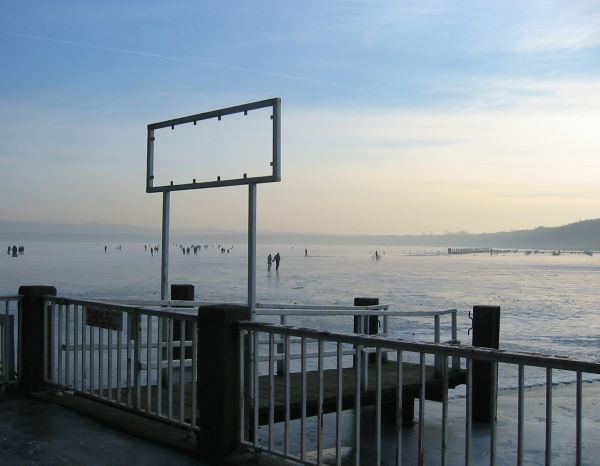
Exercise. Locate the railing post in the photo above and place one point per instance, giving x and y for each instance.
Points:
(32, 335)
(486, 333)
(219, 378)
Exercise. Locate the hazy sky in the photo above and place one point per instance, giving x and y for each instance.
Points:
(397, 117)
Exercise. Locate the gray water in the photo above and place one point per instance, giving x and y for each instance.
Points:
(549, 303)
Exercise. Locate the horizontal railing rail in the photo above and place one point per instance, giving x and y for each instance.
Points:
(337, 385)
(136, 358)
(285, 311)
(10, 339)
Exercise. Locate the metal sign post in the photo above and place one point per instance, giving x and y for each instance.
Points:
(252, 249)
(164, 256)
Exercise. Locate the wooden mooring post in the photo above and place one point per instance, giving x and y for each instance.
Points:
(486, 333)
(182, 293)
(32, 336)
(368, 325)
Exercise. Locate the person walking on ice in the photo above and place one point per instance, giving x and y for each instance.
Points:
(269, 262)
(277, 258)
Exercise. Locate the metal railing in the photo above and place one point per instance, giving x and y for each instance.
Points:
(305, 392)
(286, 312)
(136, 358)
(10, 356)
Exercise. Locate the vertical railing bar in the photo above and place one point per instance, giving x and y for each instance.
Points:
(279, 348)
(170, 323)
(75, 345)
(303, 397)
(578, 420)
(67, 344)
(421, 442)
(255, 381)
(365, 357)
(84, 378)
(271, 391)
(137, 360)
(92, 360)
(119, 363)
(129, 364)
(358, 359)
(520, 414)
(19, 319)
(242, 385)
(100, 361)
(286, 374)
(4, 348)
(51, 345)
(548, 447)
(399, 401)
(493, 407)
(59, 345)
(194, 369)
(109, 356)
(338, 414)
(182, 350)
(378, 406)
(159, 364)
(149, 363)
(320, 405)
(46, 352)
(386, 325)
(469, 412)
(444, 407)
(456, 359)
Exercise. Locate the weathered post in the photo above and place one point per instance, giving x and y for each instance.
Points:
(370, 324)
(486, 333)
(218, 377)
(32, 335)
(182, 293)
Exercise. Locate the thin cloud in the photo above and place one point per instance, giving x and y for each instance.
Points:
(139, 53)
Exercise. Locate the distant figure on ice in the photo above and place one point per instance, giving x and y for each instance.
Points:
(269, 262)
(8, 252)
(377, 256)
(14, 251)
(305, 252)
(277, 258)
(105, 249)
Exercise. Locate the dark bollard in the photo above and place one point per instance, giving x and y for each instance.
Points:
(219, 377)
(486, 333)
(32, 335)
(370, 323)
(182, 293)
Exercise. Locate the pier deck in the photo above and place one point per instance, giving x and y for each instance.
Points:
(389, 378)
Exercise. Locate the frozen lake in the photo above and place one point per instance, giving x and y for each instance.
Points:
(549, 303)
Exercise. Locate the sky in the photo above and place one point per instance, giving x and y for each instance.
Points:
(398, 117)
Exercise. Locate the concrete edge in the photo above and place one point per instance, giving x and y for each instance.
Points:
(149, 430)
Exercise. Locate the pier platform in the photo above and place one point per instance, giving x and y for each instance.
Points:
(389, 377)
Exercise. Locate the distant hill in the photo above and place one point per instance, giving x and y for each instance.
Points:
(580, 235)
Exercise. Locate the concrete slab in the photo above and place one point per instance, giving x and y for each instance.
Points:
(34, 432)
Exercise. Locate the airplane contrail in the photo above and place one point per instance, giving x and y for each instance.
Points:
(170, 58)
